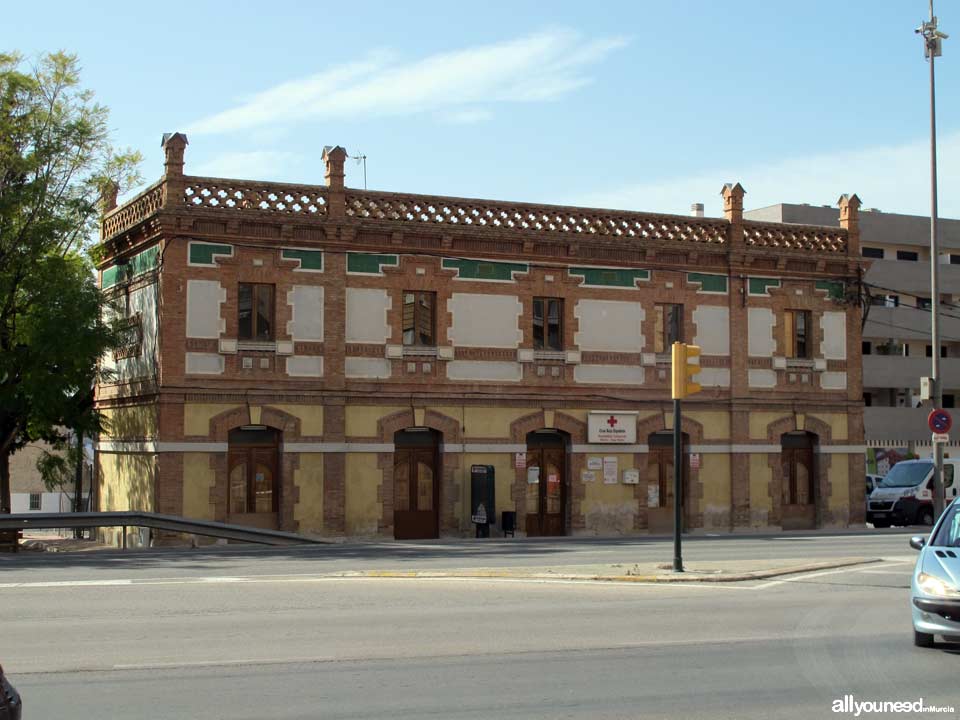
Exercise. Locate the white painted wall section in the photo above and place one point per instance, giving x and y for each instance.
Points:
(204, 364)
(367, 315)
(485, 320)
(609, 374)
(713, 329)
(714, 377)
(484, 370)
(834, 326)
(762, 378)
(833, 380)
(203, 308)
(609, 325)
(305, 366)
(760, 342)
(306, 303)
(362, 367)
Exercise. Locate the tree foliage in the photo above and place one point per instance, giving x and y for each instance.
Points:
(56, 162)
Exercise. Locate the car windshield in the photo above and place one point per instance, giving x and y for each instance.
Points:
(948, 534)
(907, 474)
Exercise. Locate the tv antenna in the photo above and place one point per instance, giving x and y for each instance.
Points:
(361, 158)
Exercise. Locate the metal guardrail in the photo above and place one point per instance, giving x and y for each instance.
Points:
(172, 523)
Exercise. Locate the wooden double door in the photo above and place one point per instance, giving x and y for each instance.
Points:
(546, 487)
(798, 507)
(253, 463)
(660, 481)
(416, 486)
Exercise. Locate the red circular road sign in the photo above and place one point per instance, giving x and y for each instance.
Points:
(939, 421)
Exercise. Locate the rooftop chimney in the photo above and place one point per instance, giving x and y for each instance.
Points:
(696, 210)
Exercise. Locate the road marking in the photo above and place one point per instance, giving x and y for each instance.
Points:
(898, 573)
(809, 576)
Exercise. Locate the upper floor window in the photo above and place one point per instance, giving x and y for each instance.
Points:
(866, 347)
(954, 259)
(669, 327)
(907, 255)
(547, 324)
(797, 333)
(35, 499)
(255, 311)
(419, 318)
(872, 252)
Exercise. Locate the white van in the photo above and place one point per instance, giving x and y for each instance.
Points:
(906, 496)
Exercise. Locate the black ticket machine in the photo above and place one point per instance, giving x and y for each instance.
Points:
(483, 506)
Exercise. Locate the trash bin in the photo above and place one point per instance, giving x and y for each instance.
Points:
(508, 523)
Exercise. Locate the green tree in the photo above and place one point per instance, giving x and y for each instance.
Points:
(56, 163)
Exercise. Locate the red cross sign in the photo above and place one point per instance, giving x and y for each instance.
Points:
(612, 422)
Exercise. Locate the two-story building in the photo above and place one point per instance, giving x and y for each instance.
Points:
(333, 361)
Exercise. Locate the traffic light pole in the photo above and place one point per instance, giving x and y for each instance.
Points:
(677, 487)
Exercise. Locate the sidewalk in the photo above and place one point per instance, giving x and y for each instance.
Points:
(696, 572)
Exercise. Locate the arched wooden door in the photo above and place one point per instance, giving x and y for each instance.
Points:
(798, 508)
(660, 483)
(253, 463)
(416, 485)
(546, 484)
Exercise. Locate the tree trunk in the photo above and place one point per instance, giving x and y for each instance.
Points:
(5, 482)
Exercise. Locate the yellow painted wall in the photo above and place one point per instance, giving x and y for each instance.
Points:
(197, 416)
(361, 420)
(839, 477)
(198, 479)
(125, 482)
(310, 416)
(715, 503)
(608, 509)
(362, 482)
(716, 424)
(136, 422)
(492, 422)
(759, 422)
(760, 501)
(308, 478)
(836, 421)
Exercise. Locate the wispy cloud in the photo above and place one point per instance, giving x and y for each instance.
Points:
(538, 67)
(894, 178)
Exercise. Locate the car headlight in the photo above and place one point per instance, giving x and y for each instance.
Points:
(932, 585)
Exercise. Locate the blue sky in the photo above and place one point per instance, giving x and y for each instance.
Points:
(640, 105)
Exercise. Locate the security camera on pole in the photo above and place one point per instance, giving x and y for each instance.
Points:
(686, 365)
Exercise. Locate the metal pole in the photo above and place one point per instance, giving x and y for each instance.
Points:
(930, 38)
(677, 488)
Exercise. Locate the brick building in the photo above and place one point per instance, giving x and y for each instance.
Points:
(333, 361)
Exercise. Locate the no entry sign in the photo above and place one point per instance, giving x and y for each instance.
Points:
(939, 421)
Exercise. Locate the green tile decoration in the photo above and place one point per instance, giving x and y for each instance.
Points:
(610, 277)
(709, 283)
(369, 263)
(484, 269)
(761, 285)
(834, 288)
(309, 259)
(139, 264)
(206, 253)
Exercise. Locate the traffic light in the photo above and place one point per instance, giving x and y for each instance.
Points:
(686, 366)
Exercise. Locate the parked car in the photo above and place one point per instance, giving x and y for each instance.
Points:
(906, 495)
(935, 589)
(873, 482)
(10, 705)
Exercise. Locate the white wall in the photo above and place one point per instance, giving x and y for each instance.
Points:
(485, 320)
(713, 329)
(367, 315)
(609, 325)
(306, 302)
(204, 298)
(760, 342)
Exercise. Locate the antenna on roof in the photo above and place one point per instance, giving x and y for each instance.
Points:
(361, 158)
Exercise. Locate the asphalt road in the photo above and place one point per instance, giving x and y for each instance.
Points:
(189, 636)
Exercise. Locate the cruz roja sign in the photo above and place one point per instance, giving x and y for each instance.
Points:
(612, 427)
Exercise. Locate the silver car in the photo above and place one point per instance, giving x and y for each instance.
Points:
(935, 589)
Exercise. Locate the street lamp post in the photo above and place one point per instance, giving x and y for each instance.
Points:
(932, 43)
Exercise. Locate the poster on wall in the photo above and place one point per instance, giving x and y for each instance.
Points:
(594, 463)
(610, 470)
(520, 460)
(631, 477)
(653, 495)
(533, 475)
(588, 476)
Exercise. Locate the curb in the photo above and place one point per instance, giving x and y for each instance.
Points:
(504, 574)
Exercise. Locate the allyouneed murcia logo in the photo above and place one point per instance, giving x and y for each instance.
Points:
(847, 704)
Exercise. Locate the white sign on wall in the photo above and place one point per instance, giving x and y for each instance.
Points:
(610, 470)
(612, 427)
(631, 477)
